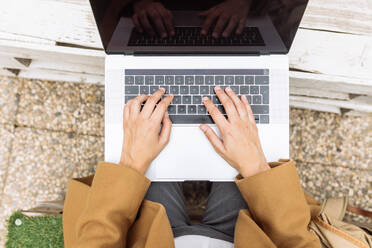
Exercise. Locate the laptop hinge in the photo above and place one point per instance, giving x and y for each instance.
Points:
(140, 53)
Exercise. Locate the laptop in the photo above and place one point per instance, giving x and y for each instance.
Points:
(189, 65)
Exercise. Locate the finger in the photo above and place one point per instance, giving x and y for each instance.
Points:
(213, 138)
(221, 24)
(165, 130)
(249, 109)
(216, 115)
(157, 20)
(150, 103)
(146, 24)
(209, 21)
(206, 12)
(125, 114)
(160, 110)
(167, 18)
(137, 23)
(228, 105)
(241, 25)
(242, 110)
(135, 106)
(230, 27)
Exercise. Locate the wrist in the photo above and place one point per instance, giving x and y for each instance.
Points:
(248, 171)
(140, 168)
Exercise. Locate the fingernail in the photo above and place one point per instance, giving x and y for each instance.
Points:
(172, 33)
(164, 35)
(205, 99)
(203, 32)
(203, 128)
(217, 88)
(228, 89)
(245, 98)
(215, 35)
(162, 89)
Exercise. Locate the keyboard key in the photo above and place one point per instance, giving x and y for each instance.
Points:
(211, 90)
(204, 90)
(235, 89)
(191, 109)
(169, 80)
(249, 80)
(166, 87)
(221, 109)
(257, 99)
(249, 98)
(191, 119)
(215, 100)
(199, 80)
(159, 80)
(179, 80)
(229, 80)
(202, 109)
(260, 109)
(239, 80)
(184, 90)
(153, 89)
(176, 100)
(189, 80)
(262, 80)
(186, 99)
(131, 90)
(219, 80)
(209, 80)
(194, 90)
(264, 119)
(144, 90)
(255, 90)
(139, 80)
(196, 100)
(244, 90)
(172, 109)
(181, 109)
(129, 80)
(128, 98)
(149, 80)
(264, 90)
(174, 90)
(257, 118)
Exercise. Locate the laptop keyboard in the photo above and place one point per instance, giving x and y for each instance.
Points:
(189, 86)
(191, 36)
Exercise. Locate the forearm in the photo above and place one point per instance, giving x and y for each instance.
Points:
(277, 204)
(112, 205)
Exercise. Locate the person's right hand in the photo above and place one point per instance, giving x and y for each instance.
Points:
(146, 132)
(240, 145)
(146, 11)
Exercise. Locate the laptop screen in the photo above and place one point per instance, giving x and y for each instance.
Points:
(209, 26)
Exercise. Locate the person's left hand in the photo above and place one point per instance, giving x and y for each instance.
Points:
(146, 132)
(228, 16)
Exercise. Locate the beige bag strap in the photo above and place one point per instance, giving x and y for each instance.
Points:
(335, 207)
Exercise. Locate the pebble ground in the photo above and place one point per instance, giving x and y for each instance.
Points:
(52, 131)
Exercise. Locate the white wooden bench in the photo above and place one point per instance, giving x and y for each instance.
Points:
(330, 60)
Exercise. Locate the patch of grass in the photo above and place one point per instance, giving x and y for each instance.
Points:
(44, 231)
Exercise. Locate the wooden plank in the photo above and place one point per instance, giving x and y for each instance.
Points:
(10, 62)
(300, 91)
(330, 83)
(356, 113)
(314, 106)
(62, 21)
(62, 76)
(332, 54)
(42, 51)
(5, 72)
(346, 16)
(359, 104)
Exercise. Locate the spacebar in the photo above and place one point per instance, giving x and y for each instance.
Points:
(191, 119)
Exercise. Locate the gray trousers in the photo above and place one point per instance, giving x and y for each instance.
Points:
(221, 213)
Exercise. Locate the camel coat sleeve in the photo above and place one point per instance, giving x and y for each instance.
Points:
(278, 214)
(112, 204)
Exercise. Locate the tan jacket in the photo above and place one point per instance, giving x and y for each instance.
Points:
(109, 211)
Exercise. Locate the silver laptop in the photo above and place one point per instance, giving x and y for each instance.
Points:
(189, 65)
